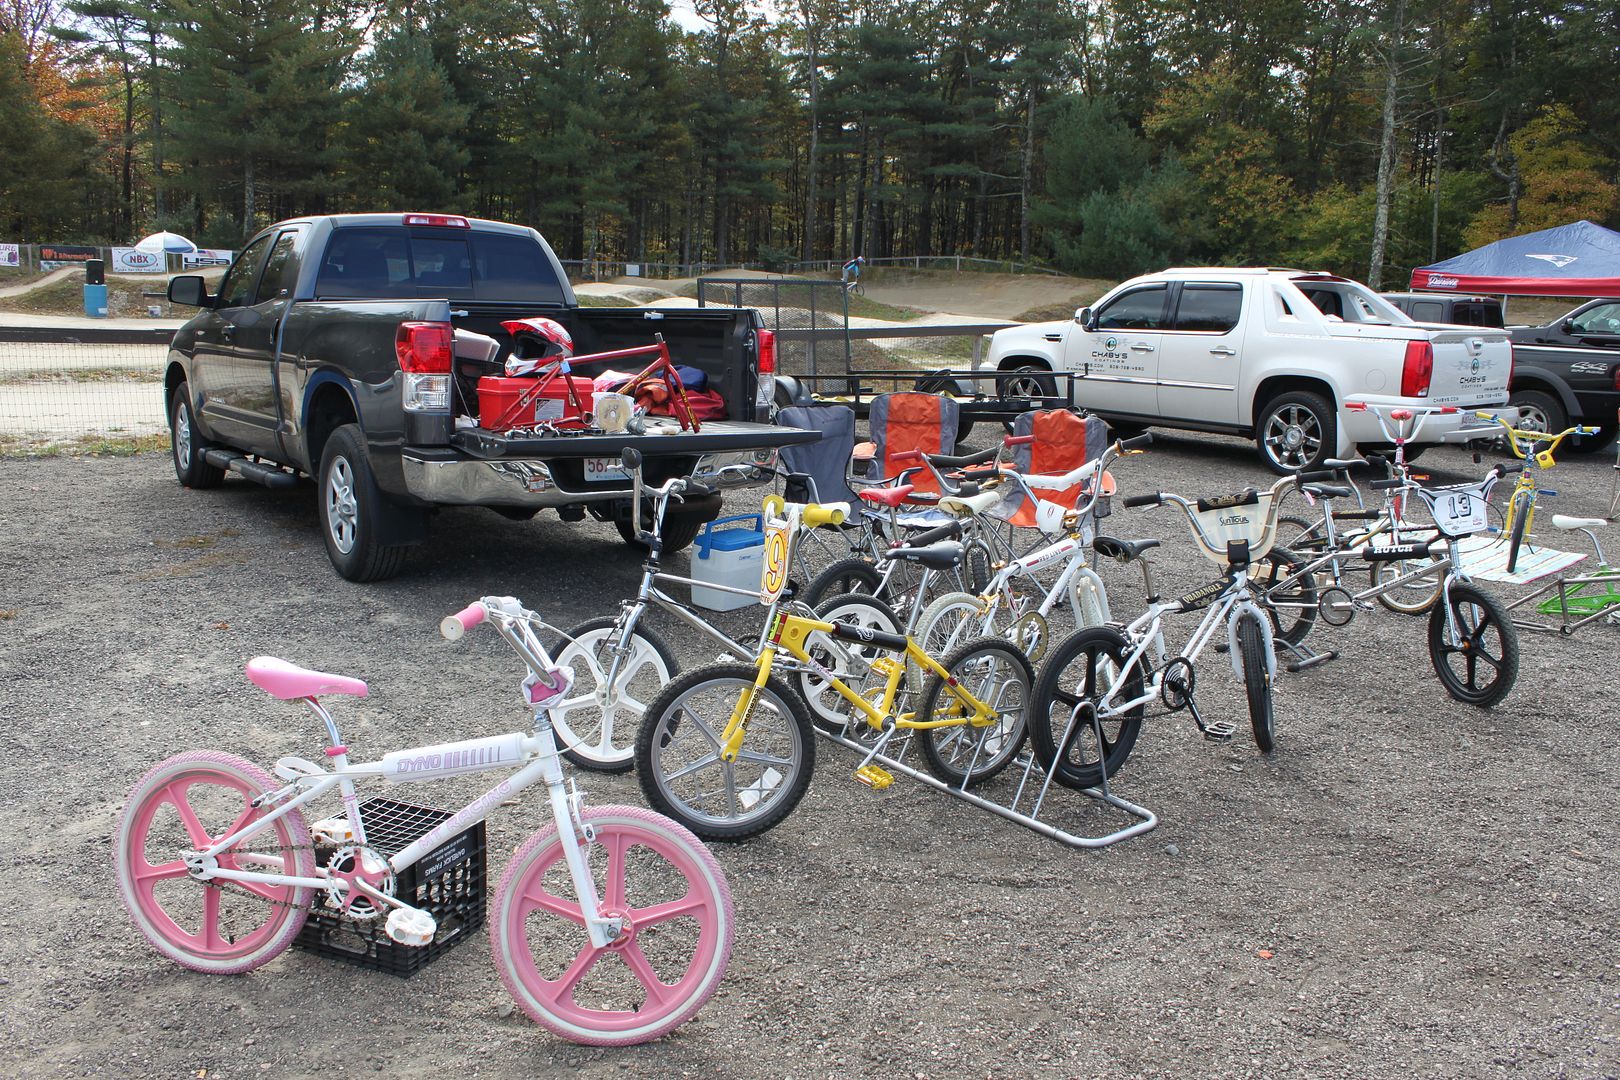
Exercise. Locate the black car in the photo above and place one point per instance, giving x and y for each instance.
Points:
(1568, 372)
(1441, 308)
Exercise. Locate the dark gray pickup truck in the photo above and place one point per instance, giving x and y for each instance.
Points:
(1568, 372)
(299, 365)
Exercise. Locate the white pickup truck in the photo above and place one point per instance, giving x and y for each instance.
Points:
(1269, 354)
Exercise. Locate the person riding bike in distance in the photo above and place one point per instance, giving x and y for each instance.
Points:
(850, 273)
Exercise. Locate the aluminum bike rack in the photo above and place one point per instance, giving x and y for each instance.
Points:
(1025, 770)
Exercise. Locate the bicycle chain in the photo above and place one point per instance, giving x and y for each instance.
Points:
(221, 884)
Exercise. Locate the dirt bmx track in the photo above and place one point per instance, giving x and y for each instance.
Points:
(1408, 887)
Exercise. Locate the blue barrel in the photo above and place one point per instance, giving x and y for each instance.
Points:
(95, 301)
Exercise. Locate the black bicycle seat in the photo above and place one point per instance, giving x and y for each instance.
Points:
(1328, 491)
(1112, 547)
(940, 556)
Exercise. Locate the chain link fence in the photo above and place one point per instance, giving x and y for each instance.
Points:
(80, 387)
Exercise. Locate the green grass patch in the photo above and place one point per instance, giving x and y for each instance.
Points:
(111, 445)
(125, 298)
(89, 375)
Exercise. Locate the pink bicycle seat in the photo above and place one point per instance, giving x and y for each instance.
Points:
(290, 682)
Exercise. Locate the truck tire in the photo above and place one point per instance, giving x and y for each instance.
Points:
(187, 445)
(1539, 411)
(678, 533)
(1591, 444)
(350, 509)
(1295, 431)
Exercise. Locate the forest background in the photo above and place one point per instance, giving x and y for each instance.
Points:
(1102, 137)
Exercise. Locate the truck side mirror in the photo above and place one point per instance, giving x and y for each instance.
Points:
(1082, 318)
(189, 290)
(1567, 326)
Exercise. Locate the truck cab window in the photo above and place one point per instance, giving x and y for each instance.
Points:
(1603, 319)
(1209, 307)
(1139, 309)
(280, 270)
(237, 288)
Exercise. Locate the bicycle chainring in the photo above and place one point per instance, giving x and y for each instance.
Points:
(1031, 633)
(1176, 684)
(364, 863)
(1335, 606)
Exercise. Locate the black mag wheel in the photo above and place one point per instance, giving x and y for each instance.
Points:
(1079, 672)
(1476, 651)
(679, 755)
(994, 672)
(1251, 639)
(843, 576)
(1520, 510)
(1291, 601)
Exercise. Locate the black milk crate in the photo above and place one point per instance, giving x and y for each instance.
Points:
(448, 882)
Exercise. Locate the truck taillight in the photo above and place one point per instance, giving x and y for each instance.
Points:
(444, 221)
(767, 352)
(1418, 370)
(765, 385)
(424, 352)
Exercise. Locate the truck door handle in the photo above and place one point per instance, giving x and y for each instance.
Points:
(1139, 347)
(1224, 350)
(1053, 337)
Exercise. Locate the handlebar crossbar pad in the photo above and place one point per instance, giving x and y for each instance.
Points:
(1144, 500)
(866, 635)
(1250, 497)
(978, 458)
(1395, 553)
(948, 531)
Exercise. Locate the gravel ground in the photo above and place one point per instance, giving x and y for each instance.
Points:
(1407, 887)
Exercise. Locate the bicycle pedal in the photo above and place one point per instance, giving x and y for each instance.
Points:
(768, 781)
(874, 776)
(1220, 731)
(411, 926)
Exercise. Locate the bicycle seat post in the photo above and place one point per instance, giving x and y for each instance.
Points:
(335, 741)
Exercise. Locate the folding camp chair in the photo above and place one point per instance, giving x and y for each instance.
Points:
(1062, 442)
(911, 421)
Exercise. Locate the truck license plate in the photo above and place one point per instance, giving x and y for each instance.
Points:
(604, 468)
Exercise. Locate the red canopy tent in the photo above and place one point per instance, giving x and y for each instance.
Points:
(1580, 259)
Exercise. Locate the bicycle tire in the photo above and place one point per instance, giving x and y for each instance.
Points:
(828, 709)
(1251, 640)
(1292, 623)
(583, 653)
(1306, 535)
(842, 577)
(664, 781)
(692, 930)
(262, 920)
(1480, 619)
(1000, 742)
(1055, 703)
(976, 562)
(1521, 509)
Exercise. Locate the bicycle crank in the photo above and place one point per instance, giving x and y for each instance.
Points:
(1335, 606)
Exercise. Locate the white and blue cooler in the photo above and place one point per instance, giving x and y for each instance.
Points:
(731, 554)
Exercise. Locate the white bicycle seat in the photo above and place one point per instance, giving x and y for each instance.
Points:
(963, 505)
(1563, 521)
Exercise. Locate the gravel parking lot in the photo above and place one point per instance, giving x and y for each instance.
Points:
(1407, 887)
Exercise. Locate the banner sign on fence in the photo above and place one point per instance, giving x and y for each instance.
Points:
(56, 256)
(207, 257)
(10, 254)
(135, 261)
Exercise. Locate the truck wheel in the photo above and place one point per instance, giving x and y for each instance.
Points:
(1591, 444)
(350, 507)
(1027, 381)
(187, 445)
(1296, 431)
(1539, 411)
(678, 533)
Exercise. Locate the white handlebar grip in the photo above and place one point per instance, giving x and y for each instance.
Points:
(468, 617)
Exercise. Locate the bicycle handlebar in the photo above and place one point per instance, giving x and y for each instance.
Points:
(451, 627)
(1155, 499)
(1141, 442)
(1532, 437)
(1017, 440)
(811, 514)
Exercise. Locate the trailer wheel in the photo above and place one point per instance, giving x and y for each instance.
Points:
(1027, 381)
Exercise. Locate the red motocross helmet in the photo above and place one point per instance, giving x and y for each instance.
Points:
(536, 342)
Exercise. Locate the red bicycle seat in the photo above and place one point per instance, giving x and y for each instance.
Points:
(890, 497)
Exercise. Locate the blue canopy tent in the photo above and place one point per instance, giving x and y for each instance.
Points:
(1580, 259)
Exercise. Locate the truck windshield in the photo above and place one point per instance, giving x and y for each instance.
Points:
(399, 263)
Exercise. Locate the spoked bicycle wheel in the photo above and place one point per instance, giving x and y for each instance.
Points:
(667, 962)
(680, 761)
(597, 729)
(1291, 602)
(188, 803)
(1081, 669)
(841, 578)
(1476, 651)
(995, 673)
(828, 709)
(1251, 639)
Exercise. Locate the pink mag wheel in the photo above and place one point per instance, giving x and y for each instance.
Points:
(188, 802)
(665, 965)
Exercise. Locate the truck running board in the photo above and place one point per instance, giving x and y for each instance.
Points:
(256, 471)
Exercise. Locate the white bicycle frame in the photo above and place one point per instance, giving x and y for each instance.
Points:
(536, 752)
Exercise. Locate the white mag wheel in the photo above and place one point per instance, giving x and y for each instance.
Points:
(669, 957)
(596, 724)
(186, 804)
(849, 660)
